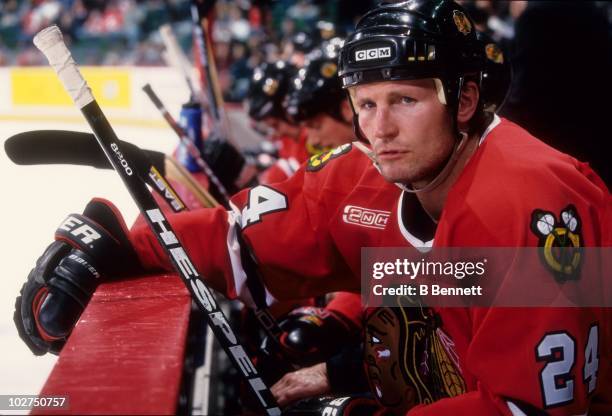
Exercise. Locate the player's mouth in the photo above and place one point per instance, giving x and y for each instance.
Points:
(390, 155)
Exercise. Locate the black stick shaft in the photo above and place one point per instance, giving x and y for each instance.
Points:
(254, 278)
(50, 42)
(178, 256)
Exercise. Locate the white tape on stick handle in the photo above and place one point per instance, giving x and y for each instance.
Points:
(51, 43)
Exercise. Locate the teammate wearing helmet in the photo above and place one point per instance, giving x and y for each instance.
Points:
(466, 179)
(296, 49)
(316, 99)
(265, 103)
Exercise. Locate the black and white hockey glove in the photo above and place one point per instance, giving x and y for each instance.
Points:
(361, 405)
(87, 248)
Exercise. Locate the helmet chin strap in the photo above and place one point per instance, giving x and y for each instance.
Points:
(454, 155)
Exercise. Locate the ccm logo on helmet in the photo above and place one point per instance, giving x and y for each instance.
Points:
(365, 217)
(374, 53)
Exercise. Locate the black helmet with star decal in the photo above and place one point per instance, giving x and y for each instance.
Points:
(316, 88)
(268, 90)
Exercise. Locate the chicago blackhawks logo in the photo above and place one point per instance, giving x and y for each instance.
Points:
(329, 69)
(270, 87)
(462, 22)
(560, 241)
(317, 162)
(494, 53)
(409, 358)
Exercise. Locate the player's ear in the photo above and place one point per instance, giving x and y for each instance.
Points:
(346, 111)
(468, 103)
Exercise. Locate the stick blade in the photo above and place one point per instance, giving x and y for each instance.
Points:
(42, 147)
(50, 147)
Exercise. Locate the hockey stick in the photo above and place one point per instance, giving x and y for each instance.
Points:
(75, 148)
(206, 80)
(40, 147)
(186, 141)
(176, 57)
(207, 67)
(254, 279)
(51, 44)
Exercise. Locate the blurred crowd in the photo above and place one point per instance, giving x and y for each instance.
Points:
(552, 45)
(246, 32)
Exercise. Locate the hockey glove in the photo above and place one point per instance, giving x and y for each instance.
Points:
(337, 406)
(228, 164)
(310, 335)
(86, 248)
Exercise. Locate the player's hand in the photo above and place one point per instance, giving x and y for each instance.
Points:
(305, 382)
(86, 248)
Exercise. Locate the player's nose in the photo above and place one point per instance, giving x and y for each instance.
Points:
(384, 126)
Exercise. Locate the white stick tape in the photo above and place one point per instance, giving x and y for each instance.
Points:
(51, 43)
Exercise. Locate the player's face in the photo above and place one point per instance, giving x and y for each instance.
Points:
(281, 127)
(326, 132)
(408, 127)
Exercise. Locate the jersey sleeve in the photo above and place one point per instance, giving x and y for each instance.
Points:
(284, 225)
(349, 306)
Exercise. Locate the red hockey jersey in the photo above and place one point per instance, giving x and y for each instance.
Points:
(307, 234)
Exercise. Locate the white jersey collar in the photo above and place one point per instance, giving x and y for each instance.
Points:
(496, 120)
(422, 246)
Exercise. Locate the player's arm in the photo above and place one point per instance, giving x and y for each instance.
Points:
(282, 225)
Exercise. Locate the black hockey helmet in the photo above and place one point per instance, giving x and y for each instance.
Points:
(496, 76)
(269, 86)
(305, 42)
(316, 88)
(413, 40)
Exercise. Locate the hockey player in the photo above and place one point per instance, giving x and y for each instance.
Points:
(265, 102)
(467, 179)
(274, 88)
(316, 99)
(339, 373)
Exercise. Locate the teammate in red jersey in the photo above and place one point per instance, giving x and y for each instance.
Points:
(412, 69)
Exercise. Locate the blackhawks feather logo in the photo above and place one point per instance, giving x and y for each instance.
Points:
(409, 358)
(560, 240)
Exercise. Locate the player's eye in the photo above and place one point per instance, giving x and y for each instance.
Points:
(407, 100)
(365, 105)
